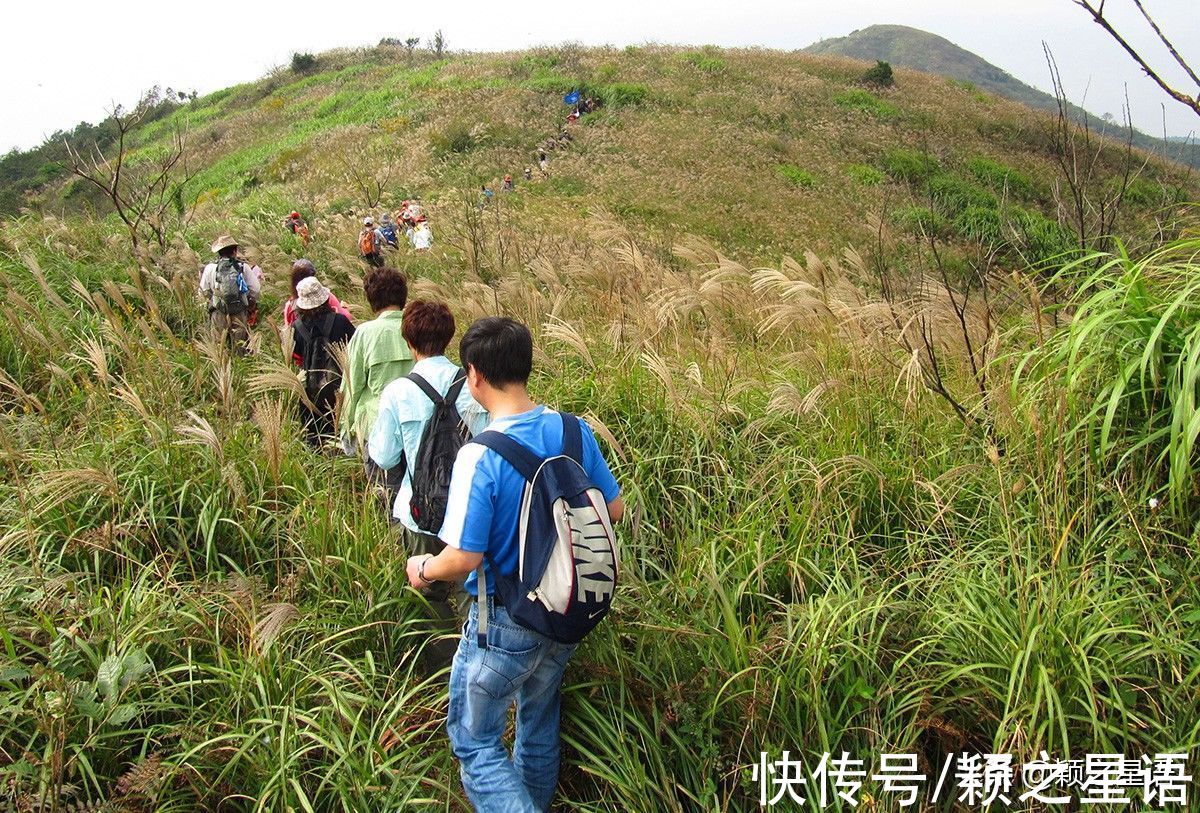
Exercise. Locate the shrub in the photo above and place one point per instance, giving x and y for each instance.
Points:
(455, 138)
(796, 176)
(913, 166)
(867, 102)
(1042, 240)
(704, 62)
(983, 224)
(549, 82)
(623, 94)
(1001, 178)
(1128, 358)
(953, 194)
(921, 220)
(880, 75)
(303, 63)
(865, 175)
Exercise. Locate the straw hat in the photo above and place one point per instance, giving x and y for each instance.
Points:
(310, 294)
(222, 242)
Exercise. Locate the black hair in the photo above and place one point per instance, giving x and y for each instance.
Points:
(500, 349)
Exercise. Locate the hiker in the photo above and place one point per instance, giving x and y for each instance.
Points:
(485, 195)
(543, 164)
(303, 269)
(407, 421)
(529, 173)
(387, 230)
(421, 236)
(589, 105)
(507, 186)
(297, 226)
(499, 659)
(370, 244)
(564, 138)
(232, 287)
(376, 357)
(315, 332)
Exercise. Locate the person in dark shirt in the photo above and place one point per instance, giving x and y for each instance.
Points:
(315, 333)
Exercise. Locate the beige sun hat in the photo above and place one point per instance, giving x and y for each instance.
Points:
(310, 294)
(224, 241)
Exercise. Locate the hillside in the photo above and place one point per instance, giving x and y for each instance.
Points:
(766, 153)
(920, 50)
(885, 495)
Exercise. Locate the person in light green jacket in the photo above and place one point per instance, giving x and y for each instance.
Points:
(377, 356)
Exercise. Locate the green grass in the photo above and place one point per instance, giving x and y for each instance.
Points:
(867, 102)
(796, 176)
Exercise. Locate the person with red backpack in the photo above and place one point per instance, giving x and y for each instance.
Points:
(529, 521)
(370, 243)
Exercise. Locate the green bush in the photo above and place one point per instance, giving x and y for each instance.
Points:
(858, 99)
(704, 62)
(455, 138)
(1129, 358)
(623, 94)
(921, 220)
(303, 63)
(1042, 241)
(796, 176)
(550, 82)
(912, 166)
(880, 75)
(865, 174)
(953, 194)
(1000, 178)
(983, 224)
(1150, 193)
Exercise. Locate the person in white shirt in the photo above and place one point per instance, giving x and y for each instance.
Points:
(404, 410)
(421, 236)
(228, 317)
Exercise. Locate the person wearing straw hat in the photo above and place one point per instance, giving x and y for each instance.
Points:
(231, 287)
(316, 331)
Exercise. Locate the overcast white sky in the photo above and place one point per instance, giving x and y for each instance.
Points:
(70, 62)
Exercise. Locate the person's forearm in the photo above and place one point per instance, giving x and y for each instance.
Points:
(451, 564)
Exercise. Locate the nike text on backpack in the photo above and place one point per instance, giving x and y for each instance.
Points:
(322, 375)
(567, 570)
(230, 292)
(444, 434)
(366, 242)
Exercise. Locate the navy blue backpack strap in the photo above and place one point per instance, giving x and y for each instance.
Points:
(425, 386)
(524, 461)
(572, 437)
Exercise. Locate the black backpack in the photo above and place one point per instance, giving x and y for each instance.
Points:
(442, 437)
(229, 287)
(322, 375)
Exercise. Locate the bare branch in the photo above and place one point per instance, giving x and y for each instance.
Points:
(1097, 14)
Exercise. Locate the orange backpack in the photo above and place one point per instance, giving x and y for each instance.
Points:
(366, 242)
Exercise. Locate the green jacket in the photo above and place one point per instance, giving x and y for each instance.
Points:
(377, 356)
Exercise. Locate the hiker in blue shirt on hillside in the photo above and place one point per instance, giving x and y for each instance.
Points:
(500, 660)
(405, 409)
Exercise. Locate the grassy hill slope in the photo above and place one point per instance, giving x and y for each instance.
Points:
(920, 50)
(765, 153)
(821, 552)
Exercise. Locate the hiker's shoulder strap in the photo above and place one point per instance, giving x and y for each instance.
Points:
(425, 386)
(327, 325)
(518, 456)
(572, 437)
(460, 379)
(304, 331)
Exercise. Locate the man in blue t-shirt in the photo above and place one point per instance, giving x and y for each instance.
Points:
(482, 518)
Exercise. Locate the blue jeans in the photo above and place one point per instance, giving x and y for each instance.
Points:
(521, 665)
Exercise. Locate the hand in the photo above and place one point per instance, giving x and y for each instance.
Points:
(413, 569)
